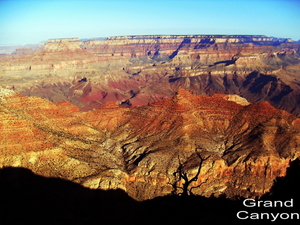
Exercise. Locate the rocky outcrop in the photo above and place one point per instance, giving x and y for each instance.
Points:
(149, 151)
(63, 45)
(23, 51)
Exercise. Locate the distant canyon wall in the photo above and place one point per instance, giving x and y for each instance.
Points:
(137, 70)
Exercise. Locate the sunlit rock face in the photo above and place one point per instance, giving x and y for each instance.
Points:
(244, 147)
(137, 70)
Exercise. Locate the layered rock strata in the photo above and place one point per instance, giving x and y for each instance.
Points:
(241, 148)
(137, 70)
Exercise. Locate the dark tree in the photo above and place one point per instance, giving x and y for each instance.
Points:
(181, 174)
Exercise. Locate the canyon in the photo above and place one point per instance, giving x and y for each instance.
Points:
(154, 115)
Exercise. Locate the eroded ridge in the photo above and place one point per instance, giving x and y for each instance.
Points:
(217, 145)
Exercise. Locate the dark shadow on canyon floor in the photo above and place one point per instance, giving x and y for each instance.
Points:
(34, 199)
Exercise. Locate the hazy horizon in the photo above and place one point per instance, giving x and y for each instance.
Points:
(30, 21)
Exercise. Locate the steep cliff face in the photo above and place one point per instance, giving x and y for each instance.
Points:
(154, 150)
(137, 70)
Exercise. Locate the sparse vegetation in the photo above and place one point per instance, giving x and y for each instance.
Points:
(182, 174)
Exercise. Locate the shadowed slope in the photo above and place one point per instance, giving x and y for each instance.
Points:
(34, 199)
